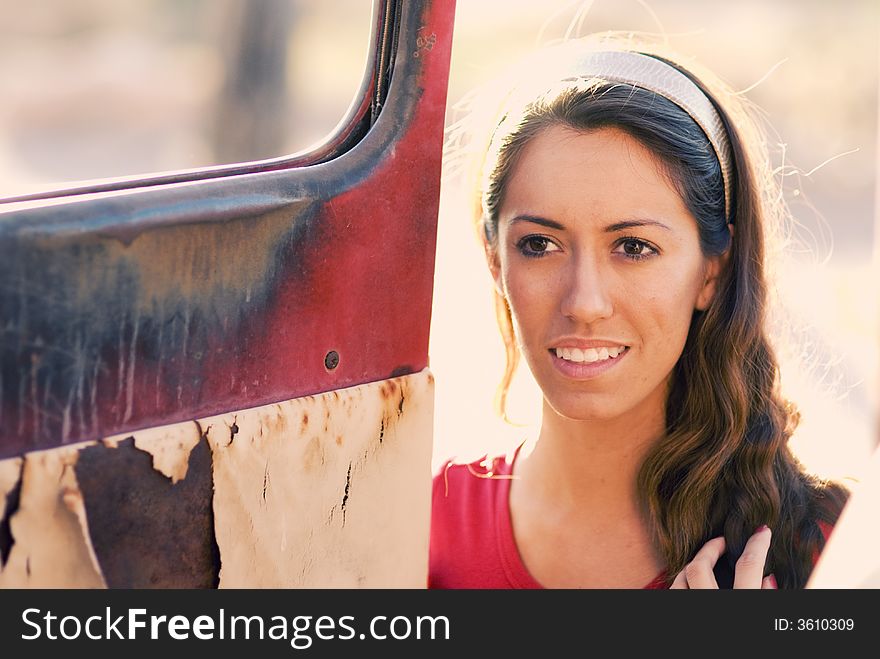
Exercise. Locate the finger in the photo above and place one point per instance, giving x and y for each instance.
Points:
(769, 583)
(699, 571)
(680, 582)
(750, 566)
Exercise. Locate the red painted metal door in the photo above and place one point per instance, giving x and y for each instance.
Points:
(162, 301)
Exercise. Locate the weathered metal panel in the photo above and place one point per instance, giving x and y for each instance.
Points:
(330, 490)
(139, 309)
(326, 491)
(132, 322)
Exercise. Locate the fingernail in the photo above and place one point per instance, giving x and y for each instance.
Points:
(772, 578)
(762, 528)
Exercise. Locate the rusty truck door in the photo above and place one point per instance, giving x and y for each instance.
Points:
(219, 377)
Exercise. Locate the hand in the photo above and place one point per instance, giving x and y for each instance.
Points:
(749, 568)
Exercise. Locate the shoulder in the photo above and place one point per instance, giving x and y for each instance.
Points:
(468, 495)
(468, 489)
(467, 499)
(482, 473)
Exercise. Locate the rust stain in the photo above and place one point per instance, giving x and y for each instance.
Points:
(314, 454)
(388, 389)
(280, 423)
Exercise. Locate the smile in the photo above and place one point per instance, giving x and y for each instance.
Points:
(589, 355)
(586, 363)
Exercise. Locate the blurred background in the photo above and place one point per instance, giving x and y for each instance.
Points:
(102, 88)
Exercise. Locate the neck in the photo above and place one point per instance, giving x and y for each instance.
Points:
(590, 465)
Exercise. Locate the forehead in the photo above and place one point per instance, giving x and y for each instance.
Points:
(602, 175)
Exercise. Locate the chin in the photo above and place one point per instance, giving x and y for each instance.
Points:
(585, 407)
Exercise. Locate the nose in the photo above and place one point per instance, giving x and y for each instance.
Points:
(587, 295)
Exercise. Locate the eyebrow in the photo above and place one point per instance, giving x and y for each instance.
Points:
(544, 222)
(629, 224)
(611, 228)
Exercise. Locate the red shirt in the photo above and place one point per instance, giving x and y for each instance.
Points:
(472, 543)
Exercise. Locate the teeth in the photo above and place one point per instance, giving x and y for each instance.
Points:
(590, 354)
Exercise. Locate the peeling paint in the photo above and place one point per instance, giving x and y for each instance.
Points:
(295, 509)
(113, 441)
(291, 508)
(10, 473)
(51, 546)
(170, 447)
(148, 532)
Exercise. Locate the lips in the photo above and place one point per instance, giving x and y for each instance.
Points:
(590, 363)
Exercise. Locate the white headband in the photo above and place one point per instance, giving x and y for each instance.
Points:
(655, 75)
(633, 68)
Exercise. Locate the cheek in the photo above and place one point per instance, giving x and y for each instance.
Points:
(526, 295)
(666, 306)
(532, 295)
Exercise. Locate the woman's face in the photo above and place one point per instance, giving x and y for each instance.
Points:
(600, 262)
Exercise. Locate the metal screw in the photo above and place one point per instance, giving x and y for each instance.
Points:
(331, 360)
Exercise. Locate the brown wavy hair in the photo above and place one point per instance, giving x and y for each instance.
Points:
(724, 466)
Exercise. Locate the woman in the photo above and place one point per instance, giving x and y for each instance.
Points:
(624, 214)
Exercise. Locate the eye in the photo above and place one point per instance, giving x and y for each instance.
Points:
(635, 249)
(534, 246)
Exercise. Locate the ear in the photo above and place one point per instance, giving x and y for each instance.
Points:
(715, 266)
(493, 260)
(494, 263)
